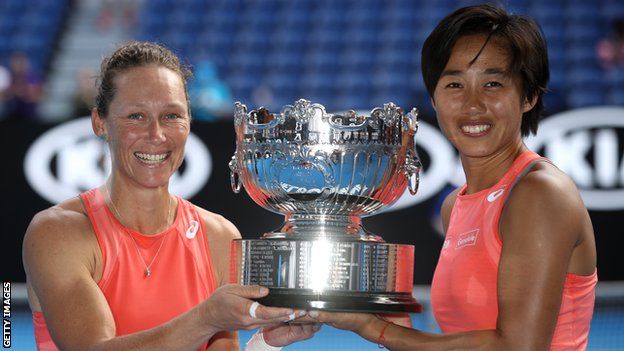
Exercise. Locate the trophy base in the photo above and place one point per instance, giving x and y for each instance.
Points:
(341, 301)
(338, 275)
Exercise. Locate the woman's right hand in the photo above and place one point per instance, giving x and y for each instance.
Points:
(355, 322)
(227, 309)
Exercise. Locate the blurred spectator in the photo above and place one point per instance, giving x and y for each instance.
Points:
(5, 81)
(211, 98)
(24, 91)
(84, 99)
(120, 12)
(263, 96)
(611, 50)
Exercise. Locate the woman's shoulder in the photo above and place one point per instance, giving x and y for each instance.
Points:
(63, 223)
(449, 202)
(59, 241)
(217, 224)
(546, 192)
(220, 233)
(547, 182)
(447, 208)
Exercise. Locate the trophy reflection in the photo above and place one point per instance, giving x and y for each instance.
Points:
(324, 172)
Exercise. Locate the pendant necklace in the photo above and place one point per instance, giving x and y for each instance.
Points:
(148, 271)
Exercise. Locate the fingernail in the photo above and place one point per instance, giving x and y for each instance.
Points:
(291, 317)
(301, 313)
(313, 313)
(264, 290)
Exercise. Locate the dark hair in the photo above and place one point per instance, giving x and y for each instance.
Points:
(131, 55)
(520, 35)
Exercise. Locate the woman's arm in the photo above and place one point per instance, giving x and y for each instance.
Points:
(58, 255)
(220, 233)
(540, 227)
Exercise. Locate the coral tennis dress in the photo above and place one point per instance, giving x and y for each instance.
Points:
(181, 274)
(464, 287)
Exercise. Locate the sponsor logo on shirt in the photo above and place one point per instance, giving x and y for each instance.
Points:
(467, 239)
(495, 195)
(192, 229)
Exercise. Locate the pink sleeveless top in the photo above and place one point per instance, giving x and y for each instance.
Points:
(464, 287)
(181, 274)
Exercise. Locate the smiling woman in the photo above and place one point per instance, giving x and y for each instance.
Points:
(146, 128)
(100, 265)
(517, 269)
(476, 97)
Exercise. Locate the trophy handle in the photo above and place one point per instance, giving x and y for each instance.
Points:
(349, 122)
(234, 176)
(413, 181)
(261, 126)
(412, 171)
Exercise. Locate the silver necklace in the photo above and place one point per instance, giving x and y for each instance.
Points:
(148, 271)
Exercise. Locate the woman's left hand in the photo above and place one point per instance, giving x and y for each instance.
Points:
(288, 333)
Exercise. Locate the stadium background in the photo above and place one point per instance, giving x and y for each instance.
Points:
(344, 54)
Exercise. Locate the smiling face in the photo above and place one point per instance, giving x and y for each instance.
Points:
(147, 125)
(478, 104)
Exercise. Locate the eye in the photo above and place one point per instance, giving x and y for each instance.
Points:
(453, 85)
(172, 116)
(135, 116)
(493, 84)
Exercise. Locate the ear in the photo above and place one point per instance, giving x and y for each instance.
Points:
(528, 105)
(433, 104)
(98, 124)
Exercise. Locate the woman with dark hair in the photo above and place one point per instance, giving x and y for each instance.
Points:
(128, 265)
(517, 270)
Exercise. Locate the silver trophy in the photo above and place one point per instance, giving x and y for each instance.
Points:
(324, 172)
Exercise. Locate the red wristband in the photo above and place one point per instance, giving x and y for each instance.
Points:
(381, 338)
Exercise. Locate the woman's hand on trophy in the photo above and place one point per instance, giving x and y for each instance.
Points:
(231, 307)
(355, 322)
(288, 333)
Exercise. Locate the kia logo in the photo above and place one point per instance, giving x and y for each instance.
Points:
(69, 159)
(584, 143)
(587, 145)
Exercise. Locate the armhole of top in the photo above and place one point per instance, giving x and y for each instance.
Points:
(208, 269)
(211, 268)
(84, 206)
(521, 175)
(105, 268)
(517, 178)
(452, 210)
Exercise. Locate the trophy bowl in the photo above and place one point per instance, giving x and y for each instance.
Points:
(324, 172)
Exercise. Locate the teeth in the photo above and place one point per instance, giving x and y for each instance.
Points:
(475, 129)
(150, 158)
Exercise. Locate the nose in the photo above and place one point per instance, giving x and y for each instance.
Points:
(156, 132)
(473, 103)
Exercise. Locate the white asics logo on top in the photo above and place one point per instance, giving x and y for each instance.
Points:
(495, 195)
(192, 229)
